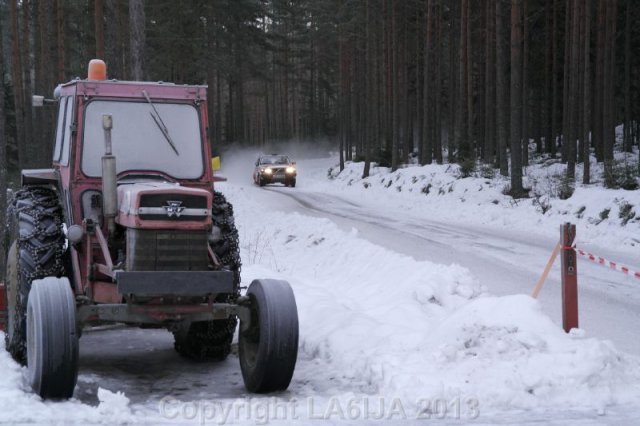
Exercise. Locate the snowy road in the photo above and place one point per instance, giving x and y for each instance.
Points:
(505, 262)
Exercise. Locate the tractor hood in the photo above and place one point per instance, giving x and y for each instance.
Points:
(152, 205)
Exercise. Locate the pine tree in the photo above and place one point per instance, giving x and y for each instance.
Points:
(516, 99)
(137, 38)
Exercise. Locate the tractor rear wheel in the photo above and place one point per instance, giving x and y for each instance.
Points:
(205, 340)
(52, 338)
(268, 347)
(37, 251)
(211, 340)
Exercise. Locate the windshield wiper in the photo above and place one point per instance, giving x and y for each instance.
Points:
(158, 120)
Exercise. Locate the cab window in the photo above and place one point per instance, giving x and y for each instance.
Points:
(68, 132)
(62, 105)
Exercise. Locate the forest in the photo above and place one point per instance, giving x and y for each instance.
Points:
(480, 83)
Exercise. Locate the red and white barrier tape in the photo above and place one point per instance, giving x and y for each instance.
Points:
(604, 262)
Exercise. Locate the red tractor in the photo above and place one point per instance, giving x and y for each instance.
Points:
(126, 227)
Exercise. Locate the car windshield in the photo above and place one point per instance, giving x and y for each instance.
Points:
(274, 159)
(139, 143)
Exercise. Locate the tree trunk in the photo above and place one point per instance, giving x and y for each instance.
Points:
(420, 84)
(378, 88)
(525, 85)
(516, 99)
(211, 72)
(490, 91)
(218, 111)
(122, 37)
(554, 80)
(60, 27)
(628, 140)
(406, 115)
(34, 153)
(137, 38)
(395, 87)
(501, 89)
(469, 87)
(110, 37)
(39, 81)
(4, 164)
(548, 76)
(99, 23)
(586, 94)
(481, 83)
(580, 83)
(437, 96)
(609, 99)
(428, 95)
(453, 87)
(43, 75)
(342, 81)
(18, 87)
(598, 110)
(387, 76)
(573, 106)
(566, 84)
(463, 142)
(368, 93)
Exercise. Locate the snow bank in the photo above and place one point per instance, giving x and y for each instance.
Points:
(507, 352)
(398, 327)
(603, 216)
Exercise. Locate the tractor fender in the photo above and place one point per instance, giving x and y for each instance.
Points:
(39, 177)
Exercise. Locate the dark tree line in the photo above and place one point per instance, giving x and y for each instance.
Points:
(485, 79)
(391, 81)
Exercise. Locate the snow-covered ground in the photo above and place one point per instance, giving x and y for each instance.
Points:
(402, 317)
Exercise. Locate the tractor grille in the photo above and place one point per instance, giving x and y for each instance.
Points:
(186, 201)
(163, 250)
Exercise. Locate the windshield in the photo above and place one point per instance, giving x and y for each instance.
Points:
(275, 159)
(139, 143)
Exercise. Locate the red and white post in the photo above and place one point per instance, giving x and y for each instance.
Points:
(569, 269)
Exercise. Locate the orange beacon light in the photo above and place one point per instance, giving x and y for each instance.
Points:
(97, 70)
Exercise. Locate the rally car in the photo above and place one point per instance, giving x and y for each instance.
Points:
(275, 168)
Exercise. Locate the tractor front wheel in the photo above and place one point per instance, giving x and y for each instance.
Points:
(52, 338)
(268, 347)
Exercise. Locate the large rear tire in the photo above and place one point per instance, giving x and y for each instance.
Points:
(268, 348)
(211, 340)
(52, 338)
(37, 251)
(205, 340)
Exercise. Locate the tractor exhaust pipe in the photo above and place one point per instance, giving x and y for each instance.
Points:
(109, 178)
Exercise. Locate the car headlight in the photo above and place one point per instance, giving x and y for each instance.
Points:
(268, 170)
(291, 169)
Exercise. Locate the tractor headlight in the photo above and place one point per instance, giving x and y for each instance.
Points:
(268, 170)
(291, 169)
